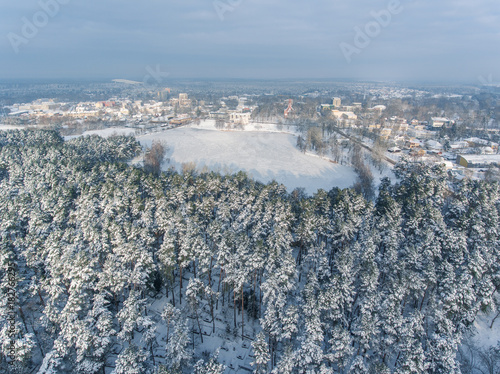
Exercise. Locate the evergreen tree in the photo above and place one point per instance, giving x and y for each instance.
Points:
(131, 361)
(261, 352)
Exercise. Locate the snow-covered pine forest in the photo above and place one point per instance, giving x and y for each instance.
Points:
(124, 271)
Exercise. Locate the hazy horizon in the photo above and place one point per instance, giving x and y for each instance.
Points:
(289, 80)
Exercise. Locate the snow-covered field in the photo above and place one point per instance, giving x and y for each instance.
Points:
(265, 151)
(265, 155)
(10, 127)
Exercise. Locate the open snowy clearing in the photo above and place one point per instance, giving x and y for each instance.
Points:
(10, 127)
(265, 156)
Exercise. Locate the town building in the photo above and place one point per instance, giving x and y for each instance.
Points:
(440, 122)
(340, 115)
(184, 100)
(240, 118)
(478, 161)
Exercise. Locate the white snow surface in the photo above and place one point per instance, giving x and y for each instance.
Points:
(265, 155)
(485, 336)
(10, 127)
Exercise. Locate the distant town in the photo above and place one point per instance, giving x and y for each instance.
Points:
(457, 127)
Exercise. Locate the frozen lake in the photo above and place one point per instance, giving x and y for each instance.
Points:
(265, 156)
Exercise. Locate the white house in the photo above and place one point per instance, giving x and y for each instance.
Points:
(439, 122)
(241, 118)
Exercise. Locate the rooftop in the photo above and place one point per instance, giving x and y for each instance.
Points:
(476, 159)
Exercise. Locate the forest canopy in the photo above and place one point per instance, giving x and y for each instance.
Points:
(333, 283)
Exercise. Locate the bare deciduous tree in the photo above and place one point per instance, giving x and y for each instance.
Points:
(154, 157)
(219, 123)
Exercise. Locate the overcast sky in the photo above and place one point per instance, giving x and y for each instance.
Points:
(441, 40)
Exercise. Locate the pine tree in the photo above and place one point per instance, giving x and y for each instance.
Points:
(194, 294)
(130, 316)
(261, 352)
(310, 355)
(178, 353)
(210, 367)
(130, 361)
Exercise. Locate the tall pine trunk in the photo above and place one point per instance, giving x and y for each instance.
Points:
(180, 285)
(199, 326)
(242, 313)
(234, 306)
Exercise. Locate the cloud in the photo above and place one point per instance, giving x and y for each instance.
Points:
(256, 38)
